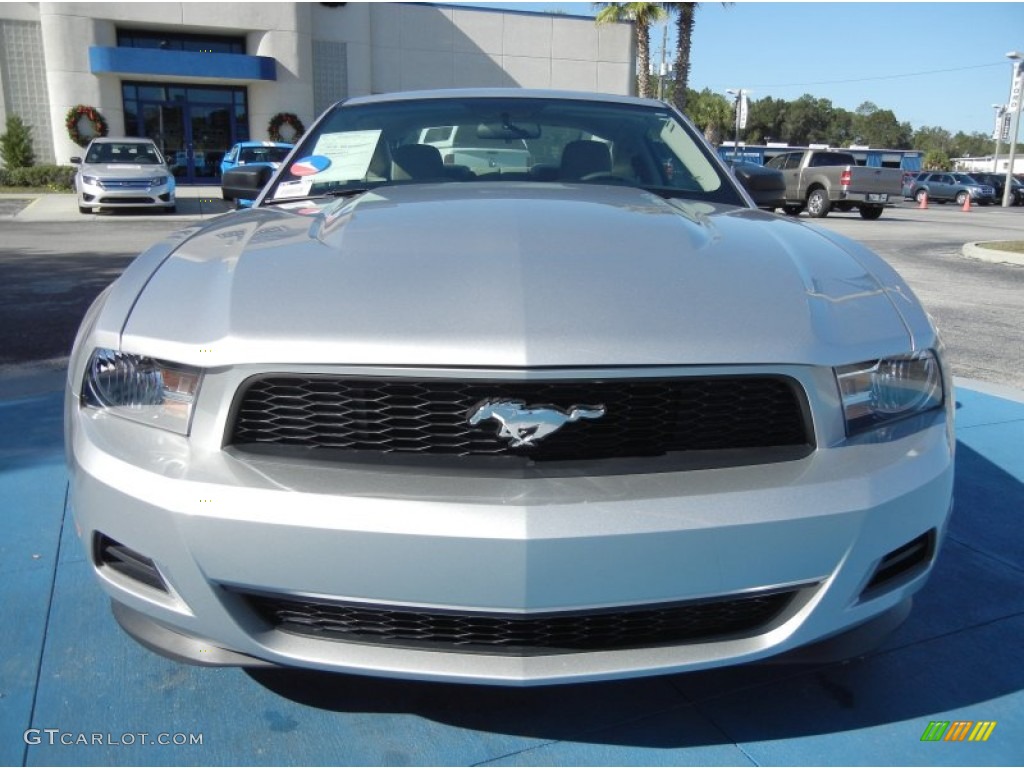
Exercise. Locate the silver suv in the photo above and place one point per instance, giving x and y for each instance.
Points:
(943, 187)
(123, 173)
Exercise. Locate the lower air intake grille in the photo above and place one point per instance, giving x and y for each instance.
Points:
(523, 635)
(127, 562)
(910, 558)
(643, 417)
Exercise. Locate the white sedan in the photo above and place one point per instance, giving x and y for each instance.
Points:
(123, 173)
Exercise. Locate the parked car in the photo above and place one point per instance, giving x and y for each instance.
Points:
(510, 428)
(253, 153)
(909, 177)
(943, 187)
(123, 173)
(998, 183)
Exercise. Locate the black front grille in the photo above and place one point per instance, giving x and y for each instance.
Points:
(643, 417)
(523, 635)
(126, 200)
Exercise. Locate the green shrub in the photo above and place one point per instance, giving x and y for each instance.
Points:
(16, 144)
(58, 178)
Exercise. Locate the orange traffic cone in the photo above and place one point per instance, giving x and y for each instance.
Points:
(967, 203)
(924, 201)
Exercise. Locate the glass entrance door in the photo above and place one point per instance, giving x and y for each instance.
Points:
(165, 124)
(210, 135)
(194, 126)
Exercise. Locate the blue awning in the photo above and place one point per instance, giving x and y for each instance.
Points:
(150, 61)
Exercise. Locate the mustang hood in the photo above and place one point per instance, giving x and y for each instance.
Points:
(493, 275)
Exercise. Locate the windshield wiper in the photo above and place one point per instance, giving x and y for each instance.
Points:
(670, 193)
(347, 192)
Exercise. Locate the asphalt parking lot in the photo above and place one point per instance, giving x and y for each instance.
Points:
(74, 690)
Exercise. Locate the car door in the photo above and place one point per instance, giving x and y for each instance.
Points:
(789, 165)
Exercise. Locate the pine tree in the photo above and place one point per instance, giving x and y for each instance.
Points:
(16, 144)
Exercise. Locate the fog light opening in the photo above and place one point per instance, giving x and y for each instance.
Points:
(108, 553)
(912, 558)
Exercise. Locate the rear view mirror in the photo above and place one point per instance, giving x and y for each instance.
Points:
(508, 131)
(766, 185)
(245, 183)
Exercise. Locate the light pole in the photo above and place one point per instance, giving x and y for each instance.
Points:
(1016, 88)
(1000, 111)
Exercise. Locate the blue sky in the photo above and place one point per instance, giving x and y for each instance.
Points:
(938, 64)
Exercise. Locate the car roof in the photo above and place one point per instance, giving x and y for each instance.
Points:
(503, 93)
(123, 140)
(263, 144)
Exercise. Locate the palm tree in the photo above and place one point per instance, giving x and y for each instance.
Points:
(685, 14)
(642, 15)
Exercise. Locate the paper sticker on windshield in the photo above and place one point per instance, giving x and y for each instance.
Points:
(308, 166)
(350, 152)
(298, 188)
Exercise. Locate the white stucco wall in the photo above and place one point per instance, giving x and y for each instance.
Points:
(386, 46)
(401, 46)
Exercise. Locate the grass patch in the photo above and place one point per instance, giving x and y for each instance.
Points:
(1010, 246)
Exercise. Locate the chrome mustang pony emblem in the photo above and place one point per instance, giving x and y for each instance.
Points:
(523, 427)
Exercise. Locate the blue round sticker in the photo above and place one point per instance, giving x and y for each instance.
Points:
(311, 165)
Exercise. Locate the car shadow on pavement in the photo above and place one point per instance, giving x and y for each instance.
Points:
(43, 297)
(958, 651)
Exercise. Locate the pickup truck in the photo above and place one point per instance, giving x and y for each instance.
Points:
(821, 180)
(478, 148)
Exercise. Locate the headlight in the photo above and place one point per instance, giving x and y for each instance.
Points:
(156, 181)
(880, 391)
(141, 389)
(90, 180)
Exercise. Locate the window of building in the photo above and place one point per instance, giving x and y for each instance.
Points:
(177, 41)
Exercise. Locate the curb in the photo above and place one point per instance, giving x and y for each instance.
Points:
(979, 251)
(194, 202)
(1005, 391)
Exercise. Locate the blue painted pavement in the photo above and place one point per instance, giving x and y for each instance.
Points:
(66, 666)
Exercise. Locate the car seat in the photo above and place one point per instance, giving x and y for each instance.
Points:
(416, 161)
(584, 158)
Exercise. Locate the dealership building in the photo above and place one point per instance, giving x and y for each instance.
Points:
(197, 77)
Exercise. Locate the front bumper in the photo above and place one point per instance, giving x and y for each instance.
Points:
(216, 524)
(115, 193)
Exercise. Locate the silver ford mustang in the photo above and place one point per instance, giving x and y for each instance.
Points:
(575, 414)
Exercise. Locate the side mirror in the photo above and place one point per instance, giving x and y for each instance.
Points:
(245, 183)
(76, 161)
(766, 185)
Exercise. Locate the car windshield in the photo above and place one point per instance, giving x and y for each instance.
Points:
(126, 153)
(519, 139)
(263, 154)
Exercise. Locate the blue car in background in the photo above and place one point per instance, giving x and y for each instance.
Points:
(253, 153)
